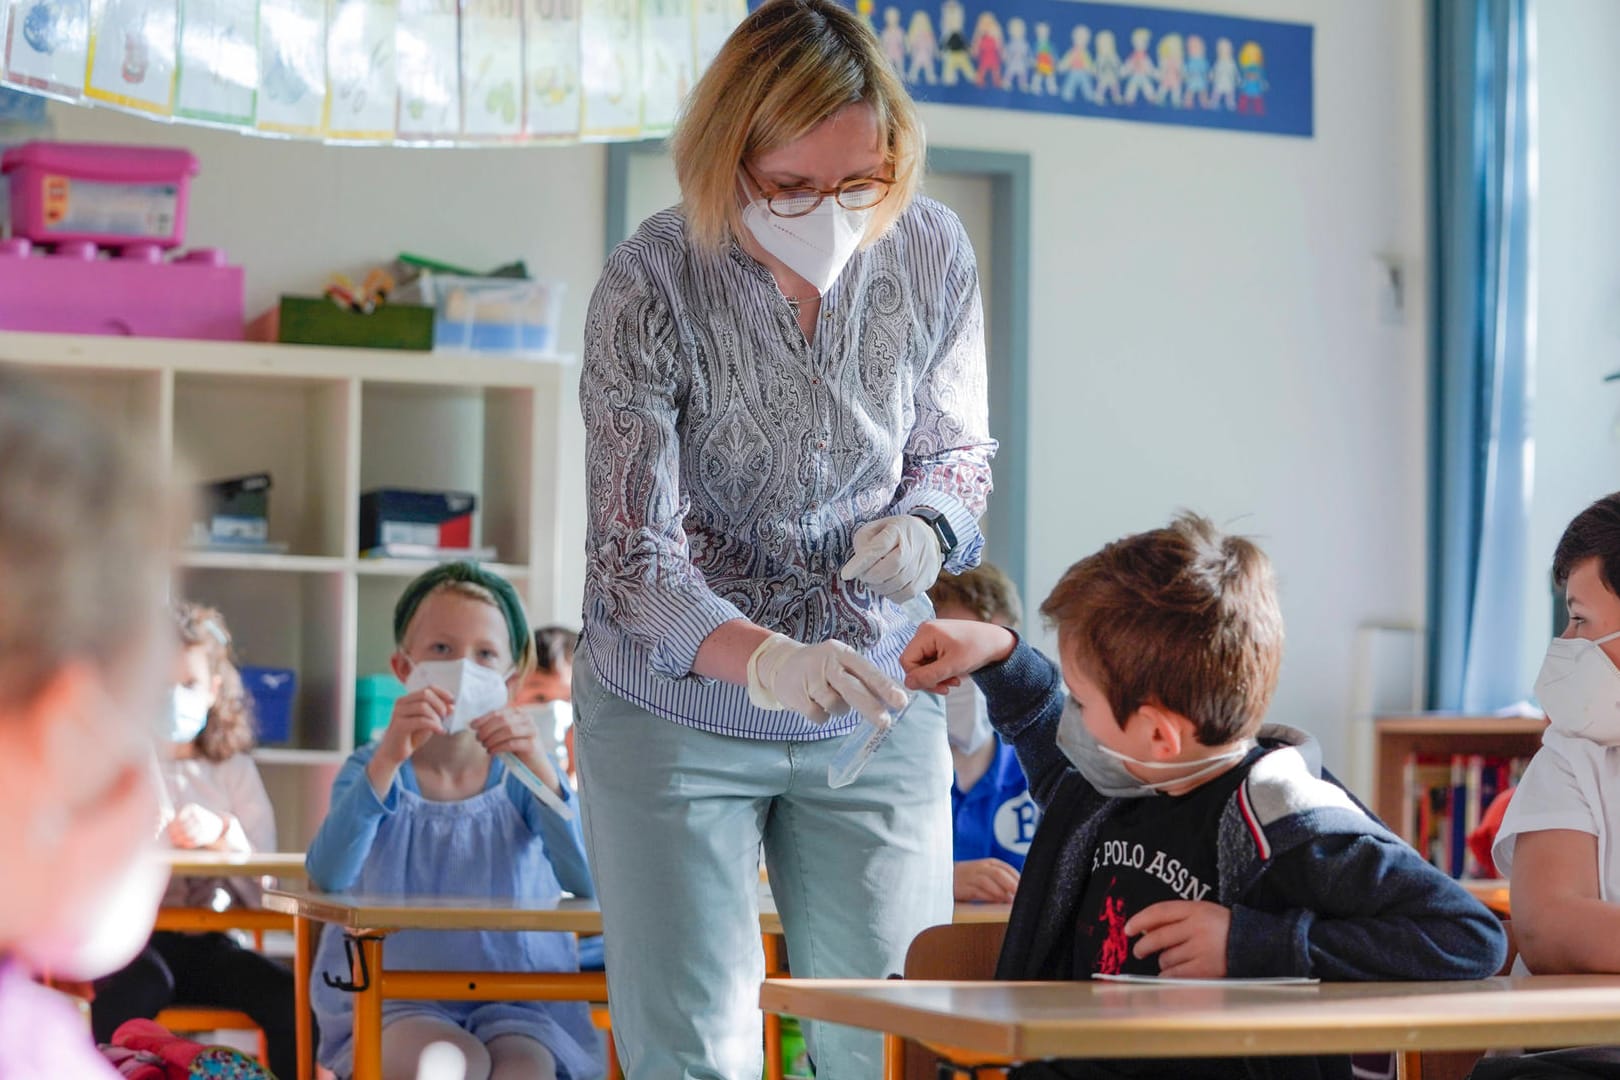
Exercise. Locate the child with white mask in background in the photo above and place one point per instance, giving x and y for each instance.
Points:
(213, 799)
(436, 804)
(1557, 844)
(84, 675)
(993, 816)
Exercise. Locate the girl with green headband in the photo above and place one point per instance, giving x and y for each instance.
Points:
(438, 801)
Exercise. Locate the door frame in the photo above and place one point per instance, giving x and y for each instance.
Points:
(1007, 304)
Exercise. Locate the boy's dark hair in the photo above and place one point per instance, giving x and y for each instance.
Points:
(554, 646)
(985, 590)
(1594, 534)
(229, 730)
(1183, 617)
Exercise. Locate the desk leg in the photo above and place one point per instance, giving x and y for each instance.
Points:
(773, 1023)
(303, 963)
(368, 1010)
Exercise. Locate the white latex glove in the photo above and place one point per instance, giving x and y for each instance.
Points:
(820, 681)
(897, 557)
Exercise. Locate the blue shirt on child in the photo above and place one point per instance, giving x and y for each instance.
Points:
(997, 817)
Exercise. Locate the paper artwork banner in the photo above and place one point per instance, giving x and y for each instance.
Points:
(132, 54)
(47, 43)
(492, 68)
(610, 69)
(1151, 65)
(429, 70)
(219, 61)
(551, 62)
(666, 62)
(362, 83)
(712, 22)
(292, 66)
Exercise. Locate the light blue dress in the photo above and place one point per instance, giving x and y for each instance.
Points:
(499, 843)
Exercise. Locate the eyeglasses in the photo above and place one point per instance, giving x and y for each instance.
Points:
(857, 193)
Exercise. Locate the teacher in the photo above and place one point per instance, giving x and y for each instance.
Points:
(786, 437)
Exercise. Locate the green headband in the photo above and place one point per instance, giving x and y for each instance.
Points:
(517, 624)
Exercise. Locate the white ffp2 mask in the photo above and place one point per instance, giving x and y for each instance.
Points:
(816, 246)
(476, 689)
(1579, 687)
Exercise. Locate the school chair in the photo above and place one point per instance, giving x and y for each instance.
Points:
(193, 1020)
(952, 951)
(1451, 1064)
(601, 1021)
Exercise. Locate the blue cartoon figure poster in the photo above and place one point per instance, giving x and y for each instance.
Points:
(1150, 65)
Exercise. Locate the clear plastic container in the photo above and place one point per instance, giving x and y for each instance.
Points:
(868, 738)
(509, 316)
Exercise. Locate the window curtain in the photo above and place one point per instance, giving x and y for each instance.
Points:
(1484, 189)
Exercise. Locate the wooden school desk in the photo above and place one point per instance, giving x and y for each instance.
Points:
(368, 920)
(213, 864)
(1004, 1023)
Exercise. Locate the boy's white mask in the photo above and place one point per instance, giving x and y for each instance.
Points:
(476, 689)
(1579, 687)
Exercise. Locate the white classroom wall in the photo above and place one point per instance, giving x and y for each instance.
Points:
(1205, 333)
(1204, 313)
(1576, 416)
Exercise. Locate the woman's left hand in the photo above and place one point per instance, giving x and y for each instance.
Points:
(513, 731)
(897, 557)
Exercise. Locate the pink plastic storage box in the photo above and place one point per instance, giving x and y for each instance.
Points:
(78, 290)
(112, 196)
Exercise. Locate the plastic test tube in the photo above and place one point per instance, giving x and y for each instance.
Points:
(859, 745)
(546, 796)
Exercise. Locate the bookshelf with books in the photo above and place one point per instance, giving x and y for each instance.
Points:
(1437, 774)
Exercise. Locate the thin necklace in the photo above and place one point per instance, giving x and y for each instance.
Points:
(794, 302)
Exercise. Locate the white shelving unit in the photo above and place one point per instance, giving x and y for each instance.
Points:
(327, 424)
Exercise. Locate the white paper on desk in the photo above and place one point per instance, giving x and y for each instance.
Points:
(1164, 980)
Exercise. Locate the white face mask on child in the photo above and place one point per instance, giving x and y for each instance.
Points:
(1104, 769)
(476, 689)
(1579, 688)
(188, 713)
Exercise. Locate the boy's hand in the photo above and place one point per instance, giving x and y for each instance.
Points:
(1189, 937)
(988, 881)
(196, 827)
(944, 650)
(513, 731)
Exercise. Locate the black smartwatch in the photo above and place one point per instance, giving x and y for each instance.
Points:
(941, 527)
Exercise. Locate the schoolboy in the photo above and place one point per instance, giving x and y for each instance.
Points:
(1180, 835)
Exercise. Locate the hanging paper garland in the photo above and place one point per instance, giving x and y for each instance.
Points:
(409, 72)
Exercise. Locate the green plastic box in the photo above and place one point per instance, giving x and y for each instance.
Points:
(374, 697)
(318, 321)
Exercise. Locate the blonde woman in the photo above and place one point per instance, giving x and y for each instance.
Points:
(786, 438)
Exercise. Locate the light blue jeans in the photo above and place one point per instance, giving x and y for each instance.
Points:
(675, 819)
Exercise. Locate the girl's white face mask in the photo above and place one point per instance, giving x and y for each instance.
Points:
(1579, 687)
(816, 246)
(476, 689)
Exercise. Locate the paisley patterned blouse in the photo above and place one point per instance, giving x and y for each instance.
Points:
(729, 461)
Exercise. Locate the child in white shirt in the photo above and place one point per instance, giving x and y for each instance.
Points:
(212, 799)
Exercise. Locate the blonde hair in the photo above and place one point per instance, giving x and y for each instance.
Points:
(523, 664)
(788, 67)
(85, 526)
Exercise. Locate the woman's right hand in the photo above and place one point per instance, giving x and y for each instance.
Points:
(821, 681)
